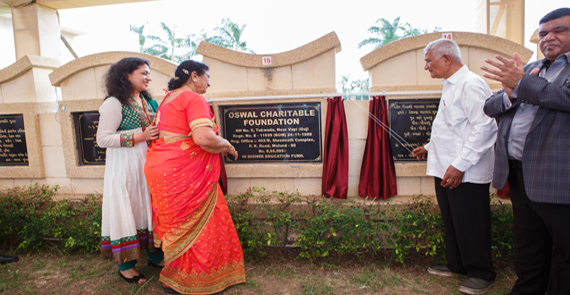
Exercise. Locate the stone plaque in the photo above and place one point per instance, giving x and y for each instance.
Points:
(411, 119)
(13, 149)
(86, 126)
(284, 132)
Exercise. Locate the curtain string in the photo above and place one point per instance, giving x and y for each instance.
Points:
(386, 128)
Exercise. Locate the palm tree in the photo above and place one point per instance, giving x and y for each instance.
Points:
(230, 36)
(349, 87)
(361, 86)
(344, 84)
(191, 41)
(166, 48)
(389, 32)
(142, 38)
(216, 40)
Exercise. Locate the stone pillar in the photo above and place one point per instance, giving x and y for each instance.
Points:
(27, 91)
(534, 39)
(501, 18)
(36, 31)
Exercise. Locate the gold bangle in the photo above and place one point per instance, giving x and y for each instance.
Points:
(229, 144)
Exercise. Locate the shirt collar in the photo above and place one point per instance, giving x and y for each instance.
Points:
(457, 75)
(566, 56)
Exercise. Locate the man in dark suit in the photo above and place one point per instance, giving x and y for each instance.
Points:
(532, 152)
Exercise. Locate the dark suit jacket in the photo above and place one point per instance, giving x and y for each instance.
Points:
(546, 154)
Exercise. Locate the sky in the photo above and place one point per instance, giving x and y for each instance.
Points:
(278, 26)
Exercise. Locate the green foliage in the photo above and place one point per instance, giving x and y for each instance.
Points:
(142, 37)
(418, 227)
(248, 227)
(318, 227)
(230, 36)
(328, 226)
(280, 217)
(32, 220)
(357, 89)
(347, 228)
(168, 45)
(390, 31)
(501, 228)
(263, 220)
(356, 229)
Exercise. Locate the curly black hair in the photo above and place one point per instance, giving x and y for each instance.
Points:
(183, 72)
(117, 83)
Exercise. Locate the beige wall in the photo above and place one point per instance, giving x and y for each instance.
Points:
(25, 90)
(305, 74)
(395, 68)
(307, 70)
(29, 87)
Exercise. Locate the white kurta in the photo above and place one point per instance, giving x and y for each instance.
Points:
(127, 206)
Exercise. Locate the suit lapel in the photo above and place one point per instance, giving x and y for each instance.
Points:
(533, 65)
(562, 76)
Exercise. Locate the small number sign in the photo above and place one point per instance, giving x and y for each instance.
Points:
(266, 60)
(446, 36)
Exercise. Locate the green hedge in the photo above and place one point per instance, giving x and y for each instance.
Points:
(31, 220)
(319, 227)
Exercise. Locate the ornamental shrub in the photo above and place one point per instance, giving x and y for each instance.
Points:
(32, 220)
(345, 227)
(318, 227)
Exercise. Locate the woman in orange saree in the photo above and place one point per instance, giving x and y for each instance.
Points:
(202, 252)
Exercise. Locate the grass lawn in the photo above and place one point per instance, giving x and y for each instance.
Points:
(279, 273)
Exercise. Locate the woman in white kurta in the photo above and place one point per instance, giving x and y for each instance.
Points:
(125, 126)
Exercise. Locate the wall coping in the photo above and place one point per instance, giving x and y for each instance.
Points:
(106, 58)
(26, 63)
(502, 46)
(287, 58)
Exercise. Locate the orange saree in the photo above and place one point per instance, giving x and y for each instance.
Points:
(201, 248)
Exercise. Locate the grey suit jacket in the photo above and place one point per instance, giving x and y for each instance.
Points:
(546, 154)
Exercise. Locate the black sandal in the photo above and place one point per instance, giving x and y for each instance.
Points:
(133, 280)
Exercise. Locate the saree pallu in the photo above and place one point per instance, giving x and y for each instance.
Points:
(201, 248)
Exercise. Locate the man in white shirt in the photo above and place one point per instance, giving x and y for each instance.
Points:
(460, 158)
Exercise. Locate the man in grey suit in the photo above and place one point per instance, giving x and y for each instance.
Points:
(532, 153)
